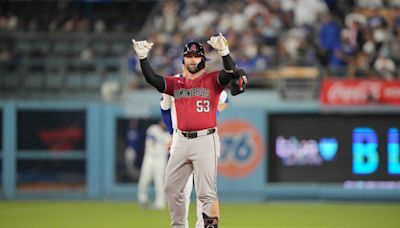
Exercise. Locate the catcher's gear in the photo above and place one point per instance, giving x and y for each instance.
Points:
(210, 222)
(142, 48)
(238, 82)
(220, 44)
(196, 49)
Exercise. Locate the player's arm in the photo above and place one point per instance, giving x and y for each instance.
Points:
(231, 73)
(166, 117)
(223, 102)
(165, 105)
(227, 74)
(236, 76)
(142, 49)
(166, 101)
(221, 45)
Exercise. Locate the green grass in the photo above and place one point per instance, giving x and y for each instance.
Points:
(98, 214)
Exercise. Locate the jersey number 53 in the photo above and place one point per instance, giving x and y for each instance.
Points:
(203, 106)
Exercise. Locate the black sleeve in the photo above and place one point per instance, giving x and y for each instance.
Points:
(224, 77)
(227, 74)
(153, 79)
(229, 63)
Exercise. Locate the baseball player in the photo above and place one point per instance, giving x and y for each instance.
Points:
(195, 145)
(153, 166)
(132, 148)
(168, 114)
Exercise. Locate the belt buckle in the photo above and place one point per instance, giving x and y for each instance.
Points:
(190, 134)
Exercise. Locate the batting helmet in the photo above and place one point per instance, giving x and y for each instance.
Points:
(195, 48)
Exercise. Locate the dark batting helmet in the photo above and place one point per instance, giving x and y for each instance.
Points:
(194, 48)
(197, 49)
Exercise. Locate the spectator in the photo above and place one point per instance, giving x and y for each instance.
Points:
(329, 38)
(385, 66)
(253, 8)
(271, 31)
(132, 71)
(370, 46)
(356, 35)
(376, 20)
(307, 12)
(342, 56)
(361, 65)
(168, 20)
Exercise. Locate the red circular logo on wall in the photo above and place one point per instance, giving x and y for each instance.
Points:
(242, 148)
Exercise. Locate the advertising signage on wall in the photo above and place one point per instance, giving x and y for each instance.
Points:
(359, 92)
(334, 148)
(242, 148)
(51, 130)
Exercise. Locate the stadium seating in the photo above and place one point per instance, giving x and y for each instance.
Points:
(76, 50)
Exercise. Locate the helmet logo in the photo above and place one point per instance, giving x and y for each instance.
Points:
(193, 47)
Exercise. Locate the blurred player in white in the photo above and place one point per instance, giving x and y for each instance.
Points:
(168, 113)
(153, 166)
(132, 148)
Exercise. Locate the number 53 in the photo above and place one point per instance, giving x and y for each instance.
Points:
(203, 106)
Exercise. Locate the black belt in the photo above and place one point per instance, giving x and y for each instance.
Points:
(195, 134)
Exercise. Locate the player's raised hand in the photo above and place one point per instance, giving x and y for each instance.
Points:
(142, 48)
(220, 44)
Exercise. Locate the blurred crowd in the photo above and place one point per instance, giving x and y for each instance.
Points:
(52, 16)
(344, 38)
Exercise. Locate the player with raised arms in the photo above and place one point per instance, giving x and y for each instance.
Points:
(168, 114)
(195, 145)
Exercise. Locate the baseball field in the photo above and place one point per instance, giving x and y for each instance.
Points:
(98, 214)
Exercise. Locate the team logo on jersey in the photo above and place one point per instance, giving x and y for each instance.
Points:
(242, 148)
(188, 93)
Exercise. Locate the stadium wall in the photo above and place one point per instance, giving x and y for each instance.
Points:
(251, 169)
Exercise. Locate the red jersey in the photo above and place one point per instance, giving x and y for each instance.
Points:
(196, 100)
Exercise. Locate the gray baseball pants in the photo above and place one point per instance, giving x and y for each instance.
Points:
(200, 156)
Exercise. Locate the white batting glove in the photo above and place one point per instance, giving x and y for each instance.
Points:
(142, 48)
(220, 44)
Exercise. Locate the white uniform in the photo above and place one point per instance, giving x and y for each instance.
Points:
(131, 151)
(166, 103)
(153, 166)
